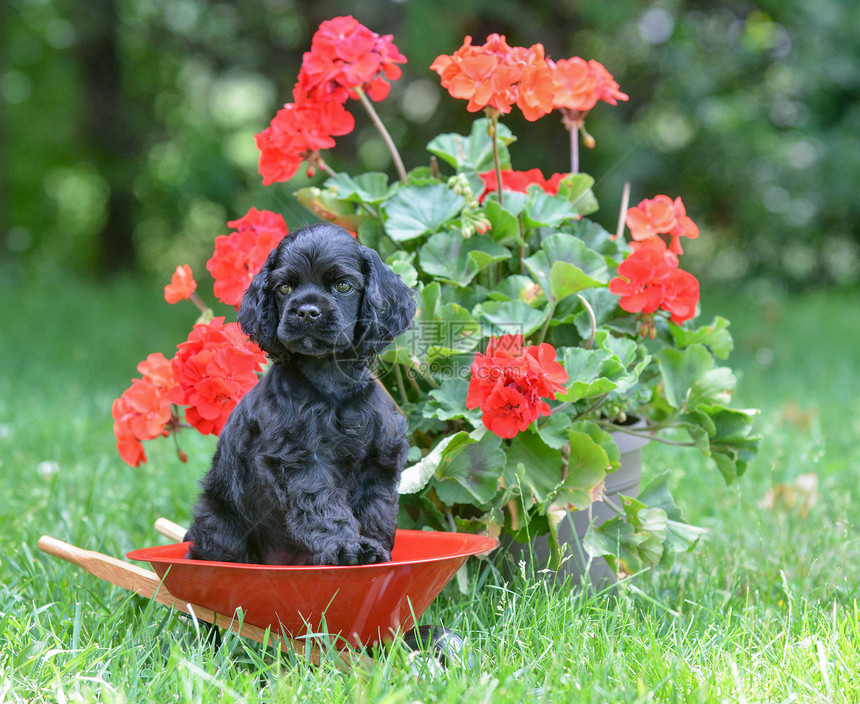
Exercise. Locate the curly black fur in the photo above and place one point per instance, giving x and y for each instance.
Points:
(306, 468)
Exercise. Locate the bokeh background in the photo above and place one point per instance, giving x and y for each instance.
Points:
(126, 126)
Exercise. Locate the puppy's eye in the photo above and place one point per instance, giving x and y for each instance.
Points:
(284, 289)
(343, 287)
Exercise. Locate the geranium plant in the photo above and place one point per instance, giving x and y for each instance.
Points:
(539, 333)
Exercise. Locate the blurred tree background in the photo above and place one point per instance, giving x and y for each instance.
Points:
(126, 126)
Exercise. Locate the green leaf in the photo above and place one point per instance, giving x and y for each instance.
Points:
(539, 465)
(629, 548)
(509, 317)
(505, 226)
(544, 210)
(602, 438)
(715, 386)
(715, 336)
(472, 476)
(587, 465)
(439, 331)
(430, 296)
(453, 332)
(590, 373)
(452, 258)
(565, 279)
(732, 444)
(401, 264)
(517, 288)
(475, 152)
(555, 430)
(448, 402)
(327, 206)
(682, 369)
(371, 187)
(564, 266)
(680, 535)
(415, 477)
(414, 211)
(576, 189)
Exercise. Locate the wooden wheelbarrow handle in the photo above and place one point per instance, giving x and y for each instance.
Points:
(169, 529)
(147, 584)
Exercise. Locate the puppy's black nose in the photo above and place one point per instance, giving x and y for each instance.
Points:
(308, 312)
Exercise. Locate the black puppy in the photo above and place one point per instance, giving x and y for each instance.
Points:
(306, 468)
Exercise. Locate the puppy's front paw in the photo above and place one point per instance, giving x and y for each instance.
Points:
(363, 551)
(373, 551)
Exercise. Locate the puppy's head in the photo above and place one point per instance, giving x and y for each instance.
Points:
(320, 293)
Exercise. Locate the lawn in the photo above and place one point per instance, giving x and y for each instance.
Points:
(766, 608)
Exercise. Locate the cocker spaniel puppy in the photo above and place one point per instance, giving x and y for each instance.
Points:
(306, 468)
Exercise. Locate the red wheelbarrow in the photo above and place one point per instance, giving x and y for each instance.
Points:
(358, 605)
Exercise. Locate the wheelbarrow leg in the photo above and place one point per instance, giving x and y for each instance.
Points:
(446, 647)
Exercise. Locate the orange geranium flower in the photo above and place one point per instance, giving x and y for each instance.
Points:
(577, 85)
(181, 285)
(582, 83)
(661, 216)
(652, 217)
(537, 85)
(498, 76)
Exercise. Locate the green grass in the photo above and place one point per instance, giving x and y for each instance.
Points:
(766, 608)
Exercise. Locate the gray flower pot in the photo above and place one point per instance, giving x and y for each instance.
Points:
(576, 562)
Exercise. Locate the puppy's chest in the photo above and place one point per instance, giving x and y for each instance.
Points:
(345, 437)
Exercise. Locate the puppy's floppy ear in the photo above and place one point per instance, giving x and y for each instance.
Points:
(387, 307)
(258, 314)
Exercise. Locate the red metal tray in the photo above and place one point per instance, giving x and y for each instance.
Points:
(364, 603)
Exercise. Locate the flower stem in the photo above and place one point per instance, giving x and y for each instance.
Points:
(574, 150)
(317, 160)
(648, 435)
(386, 137)
(197, 301)
(545, 328)
(497, 163)
(622, 213)
(591, 319)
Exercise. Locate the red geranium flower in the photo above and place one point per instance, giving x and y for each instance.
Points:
(181, 285)
(649, 280)
(519, 181)
(297, 131)
(240, 255)
(214, 368)
(684, 227)
(509, 384)
(640, 280)
(143, 411)
(680, 295)
(346, 55)
(157, 370)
